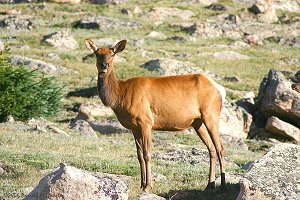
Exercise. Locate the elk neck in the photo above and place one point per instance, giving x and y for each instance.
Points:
(108, 89)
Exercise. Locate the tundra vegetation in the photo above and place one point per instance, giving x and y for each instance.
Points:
(34, 151)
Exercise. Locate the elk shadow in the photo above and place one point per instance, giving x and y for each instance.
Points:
(215, 194)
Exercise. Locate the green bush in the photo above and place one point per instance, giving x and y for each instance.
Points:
(25, 94)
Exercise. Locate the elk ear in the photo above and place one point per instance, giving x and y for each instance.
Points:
(90, 45)
(120, 46)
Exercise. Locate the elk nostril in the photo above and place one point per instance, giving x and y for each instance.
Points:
(104, 65)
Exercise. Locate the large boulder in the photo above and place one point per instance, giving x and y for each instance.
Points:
(277, 98)
(48, 68)
(274, 176)
(61, 40)
(70, 183)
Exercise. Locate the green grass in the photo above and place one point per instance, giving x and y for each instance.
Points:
(35, 154)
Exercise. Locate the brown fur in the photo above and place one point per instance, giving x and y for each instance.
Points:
(171, 103)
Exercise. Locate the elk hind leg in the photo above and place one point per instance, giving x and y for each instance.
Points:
(202, 132)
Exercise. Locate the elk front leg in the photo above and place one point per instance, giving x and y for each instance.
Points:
(140, 155)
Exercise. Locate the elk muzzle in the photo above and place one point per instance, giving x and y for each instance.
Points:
(104, 67)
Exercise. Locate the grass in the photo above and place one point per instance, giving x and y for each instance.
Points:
(33, 154)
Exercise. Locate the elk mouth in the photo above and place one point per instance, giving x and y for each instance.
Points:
(103, 71)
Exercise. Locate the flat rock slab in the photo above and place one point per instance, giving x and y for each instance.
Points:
(281, 128)
(274, 176)
(105, 23)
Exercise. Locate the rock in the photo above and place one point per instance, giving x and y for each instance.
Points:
(4, 168)
(137, 10)
(148, 196)
(277, 98)
(164, 13)
(158, 177)
(287, 5)
(87, 111)
(231, 79)
(47, 68)
(68, 183)
(216, 7)
(84, 128)
(168, 67)
(289, 61)
(108, 127)
(16, 23)
(225, 25)
(230, 178)
(230, 55)
(234, 121)
(184, 26)
(291, 41)
(157, 35)
(2, 47)
(105, 23)
(67, 1)
(274, 176)
(126, 12)
(61, 40)
(43, 125)
(108, 1)
(265, 11)
(282, 128)
(254, 39)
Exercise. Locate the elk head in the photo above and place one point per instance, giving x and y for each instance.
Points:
(105, 55)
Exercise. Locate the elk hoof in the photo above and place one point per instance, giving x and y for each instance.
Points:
(147, 189)
(211, 186)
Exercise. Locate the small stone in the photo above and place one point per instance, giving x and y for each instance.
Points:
(231, 79)
(126, 12)
(216, 7)
(157, 35)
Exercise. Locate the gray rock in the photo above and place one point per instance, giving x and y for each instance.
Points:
(225, 25)
(231, 79)
(68, 183)
(230, 55)
(164, 13)
(234, 121)
(277, 98)
(282, 128)
(148, 196)
(16, 23)
(108, 127)
(61, 40)
(4, 168)
(287, 5)
(168, 67)
(84, 128)
(87, 111)
(274, 176)
(108, 1)
(106, 42)
(292, 41)
(48, 68)
(157, 35)
(105, 23)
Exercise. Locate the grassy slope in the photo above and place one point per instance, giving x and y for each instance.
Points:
(33, 153)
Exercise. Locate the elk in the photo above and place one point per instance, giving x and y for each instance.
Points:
(169, 103)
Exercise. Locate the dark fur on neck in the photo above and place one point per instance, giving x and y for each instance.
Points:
(108, 89)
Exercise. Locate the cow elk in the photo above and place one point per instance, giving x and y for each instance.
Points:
(170, 103)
